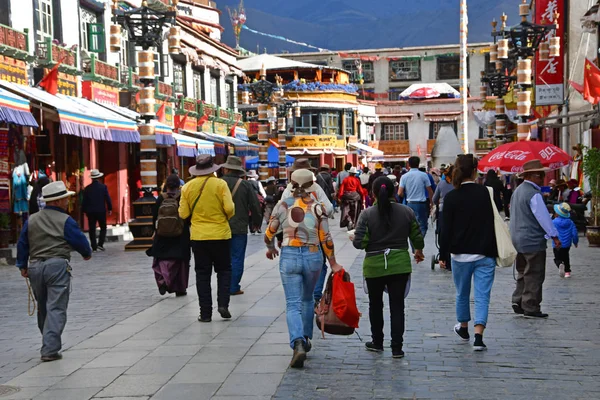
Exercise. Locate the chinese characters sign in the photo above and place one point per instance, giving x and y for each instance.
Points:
(550, 74)
(12, 70)
(100, 93)
(67, 84)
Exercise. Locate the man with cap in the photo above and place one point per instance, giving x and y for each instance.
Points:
(246, 202)
(207, 201)
(96, 203)
(530, 224)
(43, 255)
(415, 188)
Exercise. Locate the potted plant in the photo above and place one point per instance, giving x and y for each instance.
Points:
(591, 168)
(4, 230)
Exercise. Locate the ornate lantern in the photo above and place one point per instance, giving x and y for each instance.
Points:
(174, 40)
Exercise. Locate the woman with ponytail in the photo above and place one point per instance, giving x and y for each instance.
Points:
(383, 232)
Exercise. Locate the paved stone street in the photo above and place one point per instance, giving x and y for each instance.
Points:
(123, 341)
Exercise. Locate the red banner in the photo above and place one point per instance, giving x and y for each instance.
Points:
(100, 93)
(549, 79)
(358, 56)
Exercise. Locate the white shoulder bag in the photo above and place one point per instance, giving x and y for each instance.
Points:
(506, 251)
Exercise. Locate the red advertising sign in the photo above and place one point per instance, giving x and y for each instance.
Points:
(100, 93)
(549, 80)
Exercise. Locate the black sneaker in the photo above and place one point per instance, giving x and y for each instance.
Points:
(478, 344)
(463, 333)
(397, 352)
(518, 309)
(162, 289)
(101, 248)
(225, 314)
(51, 357)
(179, 294)
(374, 347)
(204, 319)
(299, 354)
(537, 314)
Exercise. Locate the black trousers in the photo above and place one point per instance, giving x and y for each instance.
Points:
(562, 255)
(209, 254)
(99, 218)
(396, 285)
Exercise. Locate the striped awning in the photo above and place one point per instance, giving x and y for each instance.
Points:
(241, 133)
(15, 110)
(191, 147)
(164, 135)
(240, 148)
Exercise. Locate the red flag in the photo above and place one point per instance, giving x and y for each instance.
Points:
(182, 121)
(591, 82)
(577, 87)
(202, 120)
(137, 97)
(232, 131)
(50, 81)
(160, 114)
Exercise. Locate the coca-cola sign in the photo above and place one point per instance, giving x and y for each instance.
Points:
(517, 155)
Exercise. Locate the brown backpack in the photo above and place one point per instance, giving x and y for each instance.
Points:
(168, 223)
(326, 319)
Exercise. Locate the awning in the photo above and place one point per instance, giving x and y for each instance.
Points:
(74, 119)
(121, 129)
(316, 152)
(366, 149)
(122, 111)
(272, 158)
(398, 118)
(240, 148)
(164, 135)
(191, 147)
(241, 133)
(442, 116)
(15, 110)
(368, 119)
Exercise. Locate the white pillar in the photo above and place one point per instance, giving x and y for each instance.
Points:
(221, 88)
(464, 125)
(206, 79)
(235, 99)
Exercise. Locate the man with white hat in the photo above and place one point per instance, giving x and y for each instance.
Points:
(43, 255)
(96, 203)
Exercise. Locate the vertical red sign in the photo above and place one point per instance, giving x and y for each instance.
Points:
(549, 80)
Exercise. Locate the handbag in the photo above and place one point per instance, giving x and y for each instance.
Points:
(337, 313)
(506, 250)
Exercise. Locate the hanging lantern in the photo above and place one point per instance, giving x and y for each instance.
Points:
(281, 124)
(503, 49)
(524, 103)
(174, 40)
(147, 102)
(544, 51)
(146, 65)
(523, 131)
(494, 53)
(115, 38)
(554, 47)
(245, 97)
(297, 112)
(500, 106)
(524, 72)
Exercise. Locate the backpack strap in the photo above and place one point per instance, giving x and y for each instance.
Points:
(199, 195)
(236, 187)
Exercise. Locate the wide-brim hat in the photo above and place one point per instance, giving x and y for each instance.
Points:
(353, 170)
(95, 174)
(252, 174)
(234, 163)
(561, 210)
(55, 191)
(533, 166)
(271, 179)
(303, 177)
(302, 163)
(561, 182)
(325, 167)
(204, 166)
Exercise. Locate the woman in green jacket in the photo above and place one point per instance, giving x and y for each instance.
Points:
(383, 231)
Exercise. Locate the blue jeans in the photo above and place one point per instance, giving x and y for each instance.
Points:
(422, 213)
(238, 255)
(320, 283)
(299, 268)
(482, 272)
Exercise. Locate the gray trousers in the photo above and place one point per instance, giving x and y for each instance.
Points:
(531, 268)
(51, 283)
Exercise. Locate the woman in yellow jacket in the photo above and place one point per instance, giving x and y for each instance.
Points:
(207, 201)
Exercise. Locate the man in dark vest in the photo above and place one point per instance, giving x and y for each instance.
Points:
(96, 203)
(530, 224)
(43, 255)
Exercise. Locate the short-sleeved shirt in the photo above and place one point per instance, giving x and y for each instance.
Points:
(415, 183)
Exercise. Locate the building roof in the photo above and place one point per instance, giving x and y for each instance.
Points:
(272, 63)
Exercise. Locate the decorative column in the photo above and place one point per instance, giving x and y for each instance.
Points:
(263, 141)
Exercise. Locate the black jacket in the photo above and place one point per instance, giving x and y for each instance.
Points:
(468, 222)
(169, 248)
(96, 198)
(246, 203)
(325, 180)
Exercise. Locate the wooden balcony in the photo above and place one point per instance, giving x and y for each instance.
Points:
(392, 147)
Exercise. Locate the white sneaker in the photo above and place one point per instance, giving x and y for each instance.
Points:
(561, 270)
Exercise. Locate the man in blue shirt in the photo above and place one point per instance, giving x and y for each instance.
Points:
(43, 255)
(413, 188)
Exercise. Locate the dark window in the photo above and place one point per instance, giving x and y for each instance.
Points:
(349, 121)
(394, 131)
(307, 124)
(5, 13)
(330, 123)
(434, 128)
(198, 79)
(405, 70)
(179, 78)
(482, 134)
(448, 67)
(367, 70)
(394, 95)
(229, 94)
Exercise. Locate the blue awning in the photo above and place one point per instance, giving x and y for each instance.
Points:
(15, 110)
(272, 158)
(240, 148)
(191, 147)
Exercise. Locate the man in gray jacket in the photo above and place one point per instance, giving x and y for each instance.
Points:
(246, 202)
(530, 225)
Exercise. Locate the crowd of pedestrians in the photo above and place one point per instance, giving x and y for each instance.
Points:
(386, 212)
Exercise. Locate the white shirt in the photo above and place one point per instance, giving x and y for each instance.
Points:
(261, 189)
